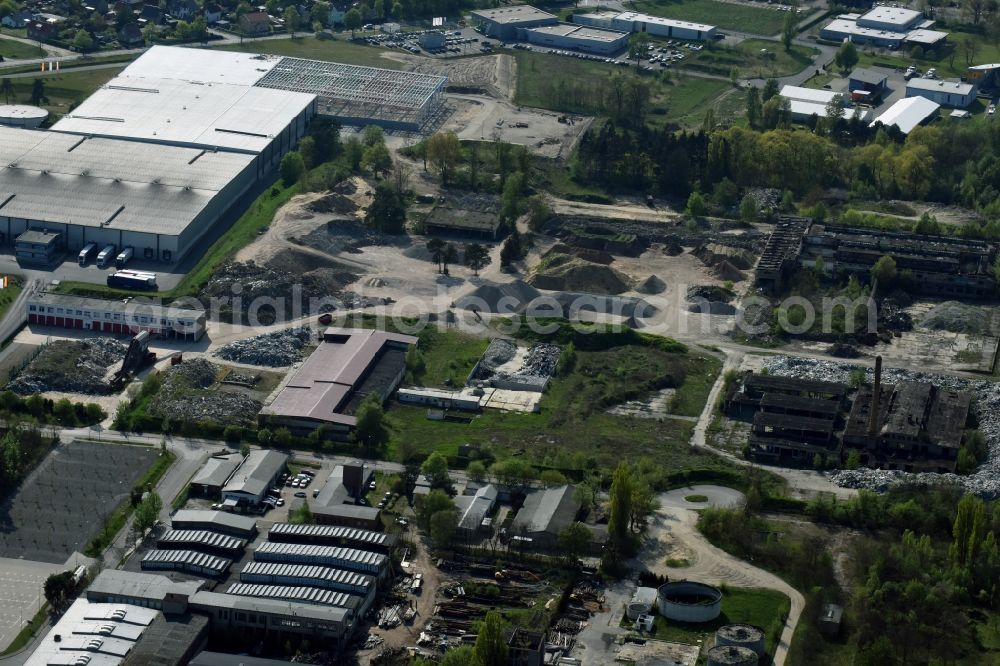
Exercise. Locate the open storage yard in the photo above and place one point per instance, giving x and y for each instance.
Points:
(64, 503)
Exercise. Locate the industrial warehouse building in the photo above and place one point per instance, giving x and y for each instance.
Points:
(215, 521)
(162, 152)
(908, 113)
(505, 22)
(885, 26)
(946, 93)
(249, 484)
(653, 25)
(214, 475)
(544, 514)
(339, 501)
(349, 365)
(115, 317)
(578, 38)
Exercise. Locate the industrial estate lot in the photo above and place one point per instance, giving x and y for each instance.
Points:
(523, 335)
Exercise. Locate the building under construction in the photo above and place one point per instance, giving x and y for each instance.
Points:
(937, 265)
(910, 426)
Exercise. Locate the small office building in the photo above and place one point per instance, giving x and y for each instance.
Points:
(578, 38)
(953, 94)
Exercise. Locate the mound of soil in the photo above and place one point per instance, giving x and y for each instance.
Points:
(561, 272)
(726, 271)
(492, 297)
(711, 293)
(712, 254)
(840, 350)
(585, 253)
(651, 285)
(673, 249)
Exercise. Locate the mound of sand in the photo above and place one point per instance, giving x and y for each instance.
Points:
(956, 317)
(651, 285)
(508, 297)
(562, 272)
(712, 254)
(726, 271)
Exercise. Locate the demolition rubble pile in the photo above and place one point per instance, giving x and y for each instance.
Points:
(275, 349)
(985, 482)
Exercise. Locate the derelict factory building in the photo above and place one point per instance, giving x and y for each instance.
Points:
(158, 155)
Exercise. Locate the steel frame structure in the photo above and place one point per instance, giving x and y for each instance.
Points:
(361, 95)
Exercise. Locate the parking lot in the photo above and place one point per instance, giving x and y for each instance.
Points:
(66, 500)
(21, 595)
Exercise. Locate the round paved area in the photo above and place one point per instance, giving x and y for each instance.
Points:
(718, 496)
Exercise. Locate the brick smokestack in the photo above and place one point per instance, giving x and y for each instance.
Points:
(876, 394)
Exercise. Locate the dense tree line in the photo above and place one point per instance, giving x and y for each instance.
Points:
(948, 163)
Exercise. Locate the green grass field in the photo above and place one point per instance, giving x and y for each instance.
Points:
(572, 430)
(766, 609)
(761, 20)
(578, 86)
(8, 296)
(747, 59)
(338, 50)
(64, 89)
(14, 50)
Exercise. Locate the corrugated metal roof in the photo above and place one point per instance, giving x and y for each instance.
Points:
(216, 471)
(300, 593)
(186, 558)
(352, 534)
(323, 575)
(203, 538)
(351, 558)
(209, 600)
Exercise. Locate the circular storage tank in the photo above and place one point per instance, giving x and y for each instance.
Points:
(22, 115)
(689, 601)
(641, 603)
(731, 655)
(742, 635)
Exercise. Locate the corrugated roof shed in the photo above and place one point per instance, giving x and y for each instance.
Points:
(188, 518)
(211, 600)
(907, 113)
(550, 511)
(318, 575)
(256, 472)
(349, 558)
(186, 559)
(290, 532)
(203, 538)
(217, 470)
(300, 593)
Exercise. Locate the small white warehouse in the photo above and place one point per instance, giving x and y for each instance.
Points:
(906, 114)
(654, 25)
(946, 93)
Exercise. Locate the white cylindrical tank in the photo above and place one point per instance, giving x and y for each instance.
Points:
(642, 602)
(22, 115)
(742, 635)
(689, 601)
(732, 655)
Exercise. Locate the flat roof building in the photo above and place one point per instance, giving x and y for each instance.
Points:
(653, 25)
(578, 38)
(94, 634)
(348, 365)
(258, 472)
(115, 316)
(888, 27)
(908, 113)
(215, 521)
(115, 586)
(504, 22)
(250, 619)
(338, 502)
(946, 93)
(159, 199)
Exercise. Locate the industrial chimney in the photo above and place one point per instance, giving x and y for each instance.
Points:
(876, 394)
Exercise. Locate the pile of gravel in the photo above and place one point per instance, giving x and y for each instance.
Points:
(985, 482)
(651, 285)
(505, 298)
(276, 349)
(186, 395)
(956, 317)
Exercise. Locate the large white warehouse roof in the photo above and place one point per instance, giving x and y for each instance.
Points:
(908, 113)
(124, 185)
(201, 65)
(165, 110)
